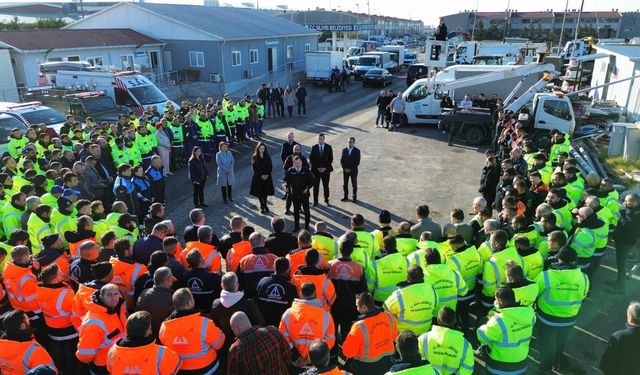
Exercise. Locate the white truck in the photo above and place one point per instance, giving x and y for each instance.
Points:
(128, 89)
(397, 53)
(423, 102)
(319, 65)
(373, 60)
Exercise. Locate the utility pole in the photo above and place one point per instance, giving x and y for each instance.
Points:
(475, 15)
(81, 9)
(506, 19)
(564, 17)
(578, 22)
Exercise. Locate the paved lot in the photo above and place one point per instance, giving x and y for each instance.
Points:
(398, 171)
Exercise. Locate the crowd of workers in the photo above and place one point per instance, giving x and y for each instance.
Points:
(96, 281)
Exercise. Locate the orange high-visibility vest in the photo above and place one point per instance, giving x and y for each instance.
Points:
(236, 253)
(371, 338)
(17, 358)
(56, 304)
(304, 322)
(195, 339)
(80, 302)
(212, 259)
(125, 275)
(73, 247)
(147, 359)
(296, 259)
(21, 288)
(98, 332)
(325, 291)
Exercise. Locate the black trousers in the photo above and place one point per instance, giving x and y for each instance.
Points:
(63, 354)
(324, 177)
(198, 193)
(353, 174)
(551, 343)
(304, 202)
(302, 105)
(622, 251)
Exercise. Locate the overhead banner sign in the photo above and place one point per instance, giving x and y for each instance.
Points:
(341, 27)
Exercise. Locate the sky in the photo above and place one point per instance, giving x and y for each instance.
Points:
(426, 10)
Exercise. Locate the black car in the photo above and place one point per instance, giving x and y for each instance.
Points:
(376, 77)
(416, 72)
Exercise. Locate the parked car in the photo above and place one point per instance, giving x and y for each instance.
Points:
(33, 113)
(376, 77)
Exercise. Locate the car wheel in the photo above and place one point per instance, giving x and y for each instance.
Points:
(474, 135)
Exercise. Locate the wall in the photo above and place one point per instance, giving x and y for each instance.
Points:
(625, 94)
(28, 64)
(179, 50)
(8, 90)
(630, 25)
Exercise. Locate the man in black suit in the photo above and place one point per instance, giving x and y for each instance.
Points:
(620, 355)
(350, 161)
(321, 159)
(287, 147)
(299, 181)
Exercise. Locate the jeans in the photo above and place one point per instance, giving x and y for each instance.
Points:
(380, 116)
(253, 129)
(271, 108)
(396, 119)
(302, 104)
(259, 126)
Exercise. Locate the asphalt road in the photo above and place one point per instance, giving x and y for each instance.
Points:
(399, 170)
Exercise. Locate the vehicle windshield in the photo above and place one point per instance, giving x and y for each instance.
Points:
(6, 125)
(410, 55)
(374, 72)
(489, 61)
(367, 61)
(45, 116)
(146, 95)
(100, 104)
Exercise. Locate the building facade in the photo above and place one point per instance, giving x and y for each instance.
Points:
(630, 25)
(222, 45)
(538, 26)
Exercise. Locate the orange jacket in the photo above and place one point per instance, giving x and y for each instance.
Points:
(100, 329)
(325, 291)
(236, 253)
(147, 359)
(125, 273)
(56, 302)
(195, 338)
(80, 302)
(304, 322)
(296, 259)
(17, 358)
(21, 287)
(371, 338)
(73, 246)
(212, 259)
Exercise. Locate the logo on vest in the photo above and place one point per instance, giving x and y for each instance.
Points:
(258, 263)
(195, 285)
(117, 279)
(275, 291)
(343, 272)
(132, 370)
(306, 330)
(180, 340)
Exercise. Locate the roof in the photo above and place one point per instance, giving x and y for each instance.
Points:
(228, 22)
(546, 14)
(630, 51)
(46, 39)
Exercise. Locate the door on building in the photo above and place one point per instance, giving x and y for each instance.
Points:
(166, 61)
(272, 58)
(154, 61)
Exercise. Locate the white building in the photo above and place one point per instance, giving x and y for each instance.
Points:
(624, 62)
(120, 48)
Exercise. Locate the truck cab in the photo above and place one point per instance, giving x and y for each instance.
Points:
(79, 104)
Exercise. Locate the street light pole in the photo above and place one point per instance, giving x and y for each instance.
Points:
(564, 17)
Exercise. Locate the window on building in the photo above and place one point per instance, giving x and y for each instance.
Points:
(253, 56)
(196, 59)
(236, 59)
(53, 59)
(307, 47)
(289, 52)
(95, 61)
(73, 58)
(126, 61)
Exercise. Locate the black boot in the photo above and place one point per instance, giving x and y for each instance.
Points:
(229, 191)
(224, 193)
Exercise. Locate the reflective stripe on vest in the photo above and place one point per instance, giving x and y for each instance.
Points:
(59, 301)
(547, 293)
(365, 339)
(401, 304)
(27, 356)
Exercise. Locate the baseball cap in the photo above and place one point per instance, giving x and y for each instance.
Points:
(64, 203)
(57, 189)
(69, 192)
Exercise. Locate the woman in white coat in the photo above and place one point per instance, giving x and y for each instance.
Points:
(225, 176)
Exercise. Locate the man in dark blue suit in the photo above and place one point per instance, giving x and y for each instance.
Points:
(350, 161)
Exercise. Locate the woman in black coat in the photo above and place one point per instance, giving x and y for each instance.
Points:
(262, 183)
(489, 180)
(198, 174)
